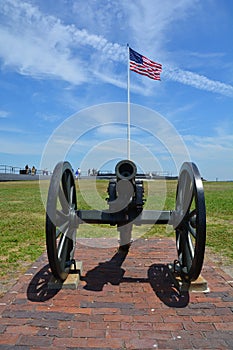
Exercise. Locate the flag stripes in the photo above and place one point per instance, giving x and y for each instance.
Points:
(144, 66)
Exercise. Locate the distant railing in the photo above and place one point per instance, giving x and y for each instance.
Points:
(159, 173)
(8, 169)
(147, 174)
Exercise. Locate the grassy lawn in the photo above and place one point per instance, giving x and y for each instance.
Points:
(22, 227)
(219, 204)
(22, 221)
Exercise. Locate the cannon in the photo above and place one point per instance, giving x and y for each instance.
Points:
(125, 209)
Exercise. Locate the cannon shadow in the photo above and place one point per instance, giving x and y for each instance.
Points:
(38, 290)
(159, 277)
(165, 286)
(106, 272)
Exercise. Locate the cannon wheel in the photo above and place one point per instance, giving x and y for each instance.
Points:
(61, 220)
(190, 222)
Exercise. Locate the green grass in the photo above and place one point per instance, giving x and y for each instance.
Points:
(219, 204)
(21, 226)
(22, 222)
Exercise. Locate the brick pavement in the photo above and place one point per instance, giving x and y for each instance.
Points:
(130, 304)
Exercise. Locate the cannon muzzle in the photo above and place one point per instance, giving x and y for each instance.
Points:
(125, 170)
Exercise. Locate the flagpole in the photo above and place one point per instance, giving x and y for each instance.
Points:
(128, 119)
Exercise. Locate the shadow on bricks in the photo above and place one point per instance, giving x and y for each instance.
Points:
(37, 290)
(159, 277)
(107, 272)
(163, 285)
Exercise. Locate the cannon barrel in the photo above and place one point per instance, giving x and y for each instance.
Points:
(126, 170)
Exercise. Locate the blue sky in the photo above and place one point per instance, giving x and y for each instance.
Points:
(60, 57)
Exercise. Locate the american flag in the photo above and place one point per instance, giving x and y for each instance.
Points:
(143, 65)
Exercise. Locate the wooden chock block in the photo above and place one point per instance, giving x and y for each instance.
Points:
(200, 285)
(72, 280)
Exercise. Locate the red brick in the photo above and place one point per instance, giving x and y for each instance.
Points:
(224, 326)
(208, 299)
(85, 311)
(9, 339)
(223, 311)
(74, 325)
(113, 343)
(54, 332)
(168, 326)
(69, 342)
(65, 309)
(136, 326)
(122, 334)
(87, 318)
(34, 340)
(25, 329)
(225, 304)
(145, 344)
(105, 325)
(129, 315)
(88, 333)
(175, 319)
(105, 311)
(175, 343)
(209, 319)
(13, 321)
(148, 318)
(209, 344)
(192, 326)
(155, 334)
(119, 318)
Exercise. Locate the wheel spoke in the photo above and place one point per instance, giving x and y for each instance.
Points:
(187, 194)
(61, 218)
(63, 200)
(71, 196)
(180, 245)
(66, 184)
(178, 242)
(192, 230)
(183, 242)
(186, 252)
(72, 235)
(61, 244)
(62, 229)
(190, 245)
(180, 199)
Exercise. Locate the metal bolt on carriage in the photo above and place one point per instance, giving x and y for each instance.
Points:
(125, 209)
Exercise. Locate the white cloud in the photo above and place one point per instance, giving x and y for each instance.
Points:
(149, 21)
(37, 45)
(213, 154)
(198, 81)
(35, 58)
(3, 114)
(22, 147)
(51, 118)
(11, 129)
(42, 46)
(206, 147)
(95, 124)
